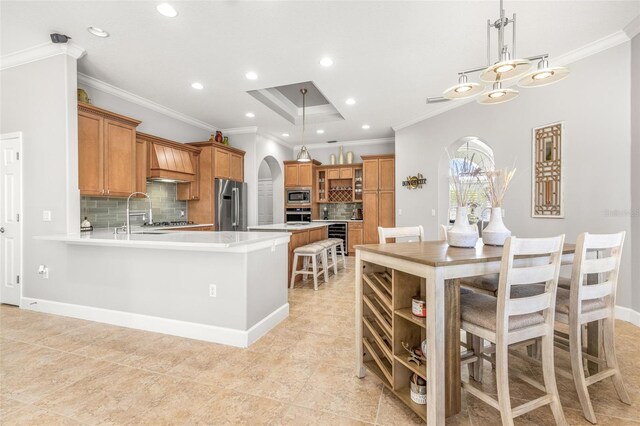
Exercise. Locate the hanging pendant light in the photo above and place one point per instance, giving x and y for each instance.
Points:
(543, 75)
(463, 89)
(505, 69)
(303, 155)
(498, 95)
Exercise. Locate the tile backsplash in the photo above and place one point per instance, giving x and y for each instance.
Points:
(110, 212)
(339, 211)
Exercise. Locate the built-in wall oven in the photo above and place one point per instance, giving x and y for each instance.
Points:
(298, 215)
(297, 196)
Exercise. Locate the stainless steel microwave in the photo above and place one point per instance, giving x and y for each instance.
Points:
(298, 196)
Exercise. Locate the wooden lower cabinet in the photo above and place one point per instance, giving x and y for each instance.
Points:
(370, 215)
(354, 230)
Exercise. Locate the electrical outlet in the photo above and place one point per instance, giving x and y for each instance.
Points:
(46, 215)
(212, 290)
(433, 212)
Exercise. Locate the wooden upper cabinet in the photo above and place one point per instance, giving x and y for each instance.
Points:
(305, 175)
(386, 174)
(189, 191)
(141, 165)
(370, 175)
(236, 166)
(106, 152)
(291, 175)
(333, 174)
(222, 165)
(346, 173)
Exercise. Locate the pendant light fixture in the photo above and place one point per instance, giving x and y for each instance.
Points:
(303, 155)
(505, 69)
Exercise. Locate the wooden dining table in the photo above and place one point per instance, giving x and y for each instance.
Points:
(440, 266)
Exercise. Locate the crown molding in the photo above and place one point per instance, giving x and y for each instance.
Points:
(39, 52)
(143, 102)
(575, 55)
(240, 130)
(360, 142)
(633, 28)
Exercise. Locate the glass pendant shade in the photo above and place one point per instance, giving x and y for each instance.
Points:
(463, 89)
(505, 70)
(497, 95)
(303, 155)
(543, 75)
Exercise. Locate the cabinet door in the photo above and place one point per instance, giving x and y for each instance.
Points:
(370, 175)
(305, 175)
(333, 174)
(370, 213)
(141, 166)
(316, 234)
(386, 177)
(222, 166)
(290, 175)
(236, 166)
(90, 154)
(386, 209)
(346, 173)
(120, 158)
(189, 191)
(355, 237)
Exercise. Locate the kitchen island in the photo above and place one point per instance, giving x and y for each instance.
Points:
(223, 287)
(301, 234)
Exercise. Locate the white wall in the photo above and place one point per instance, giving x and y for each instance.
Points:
(635, 166)
(153, 122)
(267, 147)
(38, 99)
(596, 111)
(322, 152)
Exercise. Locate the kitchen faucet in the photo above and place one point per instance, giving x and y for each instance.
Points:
(138, 213)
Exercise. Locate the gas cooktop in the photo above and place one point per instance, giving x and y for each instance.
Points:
(169, 223)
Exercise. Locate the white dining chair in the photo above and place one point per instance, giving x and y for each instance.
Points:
(586, 302)
(521, 312)
(413, 233)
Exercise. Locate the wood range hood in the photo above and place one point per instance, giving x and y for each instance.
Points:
(169, 161)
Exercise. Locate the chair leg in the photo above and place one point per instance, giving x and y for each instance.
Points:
(549, 375)
(469, 338)
(478, 347)
(314, 262)
(325, 263)
(577, 368)
(502, 381)
(344, 259)
(612, 361)
(334, 258)
(294, 267)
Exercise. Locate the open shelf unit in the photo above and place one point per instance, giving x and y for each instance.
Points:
(387, 322)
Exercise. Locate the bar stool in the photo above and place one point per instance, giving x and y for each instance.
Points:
(584, 303)
(310, 252)
(515, 318)
(339, 242)
(331, 245)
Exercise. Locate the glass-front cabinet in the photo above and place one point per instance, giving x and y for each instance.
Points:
(322, 186)
(357, 185)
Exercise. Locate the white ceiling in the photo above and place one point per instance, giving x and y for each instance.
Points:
(388, 55)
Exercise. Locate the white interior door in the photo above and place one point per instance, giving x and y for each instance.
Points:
(265, 201)
(10, 215)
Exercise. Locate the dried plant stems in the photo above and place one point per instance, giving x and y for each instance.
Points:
(497, 182)
(464, 173)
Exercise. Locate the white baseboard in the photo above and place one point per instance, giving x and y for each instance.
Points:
(628, 314)
(209, 333)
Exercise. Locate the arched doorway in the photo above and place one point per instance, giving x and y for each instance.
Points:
(269, 192)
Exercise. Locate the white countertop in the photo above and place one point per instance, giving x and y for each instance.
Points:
(337, 220)
(225, 241)
(287, 227)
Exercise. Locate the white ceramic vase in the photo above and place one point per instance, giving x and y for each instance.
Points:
(340, 156)
(332, 159)
(495, 234)
(462, 234)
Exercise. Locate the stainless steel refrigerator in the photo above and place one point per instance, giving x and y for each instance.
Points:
(231, 205)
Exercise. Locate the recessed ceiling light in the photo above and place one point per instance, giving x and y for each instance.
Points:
(251, 75)
(326, 62)
(197, 86)
(286, 135)
(250, 115)
(99, 32)
(319, 131)
(366, 126)
(350, 101)
(167, 10)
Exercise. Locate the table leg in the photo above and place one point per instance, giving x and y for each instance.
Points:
(453, 396)
(435, 346)
(360, 370)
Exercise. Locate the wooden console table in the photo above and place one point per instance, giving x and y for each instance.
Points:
(387, 277)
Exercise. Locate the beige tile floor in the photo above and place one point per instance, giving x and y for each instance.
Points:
(57, 370)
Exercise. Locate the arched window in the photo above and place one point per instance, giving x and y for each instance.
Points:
(480, 155)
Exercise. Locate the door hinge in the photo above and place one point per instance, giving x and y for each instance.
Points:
(17, 279)
(17, 155)
(17, 217)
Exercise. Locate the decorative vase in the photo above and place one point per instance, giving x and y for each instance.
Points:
(340, 156)
(225, 140)
(462, 234)
(83, 97)
(332, 159)
(495, 233)
(219, 136)
(350, 157)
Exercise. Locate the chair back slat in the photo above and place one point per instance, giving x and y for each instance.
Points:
(596, 291)
(599, 266)
(416, 232)
(529, 305)
(603, 241)
(532, 274)
(536, 246)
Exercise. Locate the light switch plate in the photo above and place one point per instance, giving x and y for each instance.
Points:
(399, 212)
(46, 215)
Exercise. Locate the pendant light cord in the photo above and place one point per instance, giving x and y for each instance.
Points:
(304, 116)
